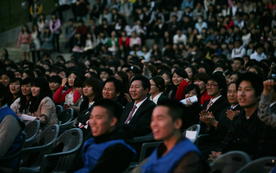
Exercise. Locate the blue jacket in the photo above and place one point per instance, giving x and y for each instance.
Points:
(168, 162)
(20, 138)
(93, 151)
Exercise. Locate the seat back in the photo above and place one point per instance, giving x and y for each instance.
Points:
(263, 165)
(31, 130)
(147, 149)
(230, 162)
(59, 109)
(65, 119)
(42, 145)
(192, 132)
(66, 148)
(11, 162)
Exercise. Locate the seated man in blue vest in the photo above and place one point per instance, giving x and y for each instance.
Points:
(105, 151)
(11, 136)
(176, 153)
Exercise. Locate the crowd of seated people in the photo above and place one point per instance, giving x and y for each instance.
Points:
(149, 57)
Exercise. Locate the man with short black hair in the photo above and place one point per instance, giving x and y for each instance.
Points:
(101, 152)
(237, 64)
(249, 133)
(176, 153)
(136, 116)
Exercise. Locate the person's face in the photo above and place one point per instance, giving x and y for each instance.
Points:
(189, 72)
(109, 91)
(162, 125)
(176, 79)
(104, 75)
(136, 91)
(233, 78)
(14, 87)
(88, 91)
(246, 95)
(166, 78)
(201, 70)
(26, 89)
(54, 86)
(232, 94)
(191, 93)
(200, 84)
(71, 79)
(236, 65)
(100, 122)
(35, 91)
(212, 88)
(5, 80)
(17, 74)
(153, 88)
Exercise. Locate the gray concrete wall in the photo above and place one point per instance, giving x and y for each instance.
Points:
(9, 38)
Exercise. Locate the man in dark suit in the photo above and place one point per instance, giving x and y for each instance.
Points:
(212, 110)
(135, 120)
(216, 88)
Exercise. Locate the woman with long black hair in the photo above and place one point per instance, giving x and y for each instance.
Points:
(22, 104)
(91, 93)
(42, 106)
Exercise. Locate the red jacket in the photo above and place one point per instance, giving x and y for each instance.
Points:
(180, 90)
(204, 98)
(59, 96)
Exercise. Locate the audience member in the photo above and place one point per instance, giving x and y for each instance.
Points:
(22, 104)
(157, 88)
(11, 132)
(200, 79)
(249, 133)
(14, 90)
(71, 97)
(266, 110)
(91, 93)
(42, 106)
(54, 83)
(113, 89)
(135, 119)
(23, 41)
(101, 152)
(175, 153)
(192, 107)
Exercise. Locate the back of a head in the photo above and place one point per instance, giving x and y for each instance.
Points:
(55, 79)
(201, 77)
(176, 109)
(181, 72)
(114, 109)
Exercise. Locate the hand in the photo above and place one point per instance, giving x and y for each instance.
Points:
(64, 81)
(189, 102)
(214, 155)
(230, 114)
(211, 120)
(268, 87)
